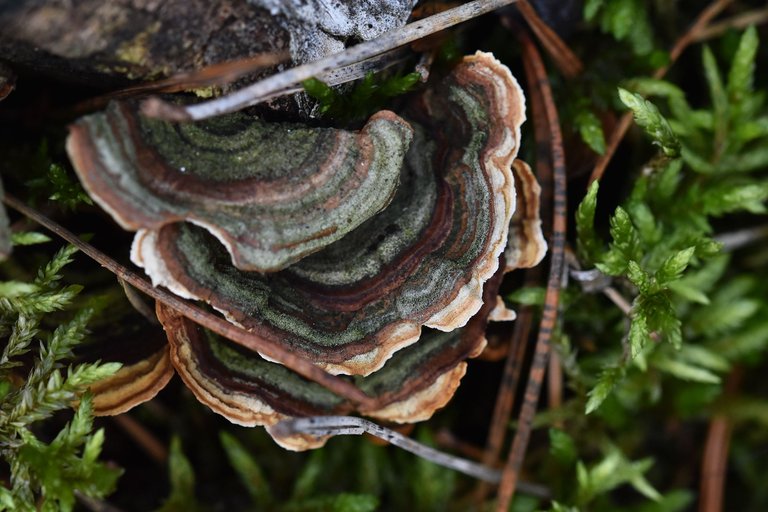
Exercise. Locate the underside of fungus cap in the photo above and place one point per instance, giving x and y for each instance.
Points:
(422, 261)
(146, 368)
(270, 192)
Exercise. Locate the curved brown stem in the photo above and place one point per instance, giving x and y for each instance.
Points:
(681, 44)
(566, 61)
(208, 320)
(714, 462)
(505, 397)
(537, 78)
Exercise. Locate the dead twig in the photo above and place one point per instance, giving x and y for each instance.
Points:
(446, 439)
(215, 74)
(555, 384)
(561, 54)
(681, 44)
(144, 438)
(505, 397)
(738, 22)
(227, 72)
(266, 347)
(350, 425)
(513, 366)
(279, 83)
(537, 78)
(618, 299)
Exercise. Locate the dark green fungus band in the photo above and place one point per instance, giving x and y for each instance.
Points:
(246, 389)
(422, 261)
(270, 192)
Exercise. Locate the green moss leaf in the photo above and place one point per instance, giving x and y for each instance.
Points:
(562, 446)
(182, 476)
(591, 130)
(608, 380)
(639, 333)
(674, 266)
(591, 8)
(686, 371)
(528, 296)
(624, 247)
(587, 243)
(28, 238)
(742, 73)
(248, 470)
(648, 117)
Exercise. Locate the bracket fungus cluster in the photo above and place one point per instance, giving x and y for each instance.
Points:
(376, 254)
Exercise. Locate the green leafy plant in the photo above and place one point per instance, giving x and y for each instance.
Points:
(655, 255)
(47, 475)
(365, 97)
(52, 181)
(626, 20)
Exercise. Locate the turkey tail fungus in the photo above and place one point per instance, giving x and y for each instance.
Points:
(374, 254)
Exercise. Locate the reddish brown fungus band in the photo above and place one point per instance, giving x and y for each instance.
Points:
(194, 313)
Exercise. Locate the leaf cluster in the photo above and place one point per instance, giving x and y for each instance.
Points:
(367, 96)
(664, 228)
(51, 181)
(697, 309)
(374, 477)
(47, 475)
(625, 20)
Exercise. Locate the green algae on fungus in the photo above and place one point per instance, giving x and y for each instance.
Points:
(422, 261)
(271, 192)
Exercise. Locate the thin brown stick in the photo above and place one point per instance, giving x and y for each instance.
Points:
(350, 425)
(268, 348)
(280, 82)
(447, 440)
(561, 54)
(712, 485)
(714, 462)
(618, 299)
(555, 385)
(505, 400)
(227, 72)
(510, 380)
(537, 77)
(215, 74)
(738, 22)
(682, 43)
(505, 397)
(148, 442)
